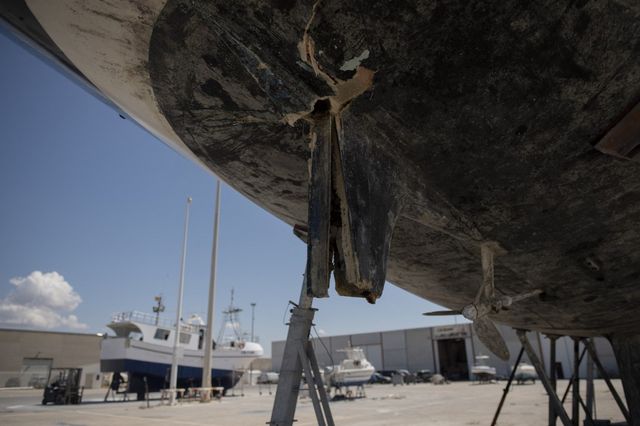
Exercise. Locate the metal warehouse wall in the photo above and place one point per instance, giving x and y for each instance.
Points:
(417, 349)
(21, 348)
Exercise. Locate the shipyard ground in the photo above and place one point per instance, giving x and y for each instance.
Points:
(461, 403)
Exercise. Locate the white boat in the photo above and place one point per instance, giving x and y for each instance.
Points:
(525, 372)
(143, 348)
(353, 371)
(481, 370)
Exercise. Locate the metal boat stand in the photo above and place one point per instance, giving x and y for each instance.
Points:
(554, 401)
(556, 407)
(603, 373)
(506, 389)
(298, 357)
(298, 351)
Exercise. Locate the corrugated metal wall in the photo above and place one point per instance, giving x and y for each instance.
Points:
(416, 349)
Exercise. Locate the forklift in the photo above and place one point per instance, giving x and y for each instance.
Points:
(63, 386)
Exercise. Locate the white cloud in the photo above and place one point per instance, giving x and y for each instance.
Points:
(42, 300)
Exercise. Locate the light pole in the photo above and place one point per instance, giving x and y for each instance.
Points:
(208, 340)
(173, 384)
(253, 318)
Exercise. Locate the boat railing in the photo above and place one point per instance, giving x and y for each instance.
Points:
(150, 319)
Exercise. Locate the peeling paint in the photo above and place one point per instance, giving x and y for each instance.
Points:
(354, 63)
(345, 90)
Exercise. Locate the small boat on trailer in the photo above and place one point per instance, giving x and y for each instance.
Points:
(143, 348)
(355, 370)
(482, 372)
(525, 372)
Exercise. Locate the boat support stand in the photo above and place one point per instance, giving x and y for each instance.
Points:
(298, 354)
(299, 357)
(556, 404)
(352, 209)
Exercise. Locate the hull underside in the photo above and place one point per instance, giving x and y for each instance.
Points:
(482, 118)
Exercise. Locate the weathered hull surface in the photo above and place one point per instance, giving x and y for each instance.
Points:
(480, 125)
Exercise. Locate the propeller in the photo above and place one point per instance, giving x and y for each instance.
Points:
(486, 302)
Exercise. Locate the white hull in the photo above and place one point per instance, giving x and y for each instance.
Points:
(352, 377)
(353, 371)
(483, 370)
(232, 359)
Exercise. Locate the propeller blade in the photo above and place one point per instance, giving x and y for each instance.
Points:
(489, 335)
(442, 313)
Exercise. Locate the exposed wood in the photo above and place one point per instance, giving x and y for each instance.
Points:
(319, 222)
(623, 140)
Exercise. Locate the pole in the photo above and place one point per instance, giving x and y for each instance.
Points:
(174, 362)
(253, 318)
(506, 389)
(542, 375)
(575, 403)
(590, 390)
(208, 338)
(605, 376)
(552, 377)
(570, 384)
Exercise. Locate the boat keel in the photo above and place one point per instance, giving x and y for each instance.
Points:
(354, 202)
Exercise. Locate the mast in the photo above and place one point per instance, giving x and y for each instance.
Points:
(158, 308)
(174, 362)
(208, 340)
(231, 317)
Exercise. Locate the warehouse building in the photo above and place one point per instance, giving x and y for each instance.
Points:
(449, 350)
(26, 356)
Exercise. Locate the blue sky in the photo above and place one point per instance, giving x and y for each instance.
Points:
(101, 202)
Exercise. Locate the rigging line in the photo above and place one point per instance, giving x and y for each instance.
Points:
(323, 345)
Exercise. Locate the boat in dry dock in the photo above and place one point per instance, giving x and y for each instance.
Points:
(143, 348)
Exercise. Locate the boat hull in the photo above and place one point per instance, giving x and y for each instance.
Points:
(492, 143)
(157, 374)
(351, 381)
(351, 377)
(141, 359)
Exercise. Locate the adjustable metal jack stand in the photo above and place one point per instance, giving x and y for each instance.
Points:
(603, 373)
(298, 357)
(298, 351)
(506, 389)
(553, 397)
